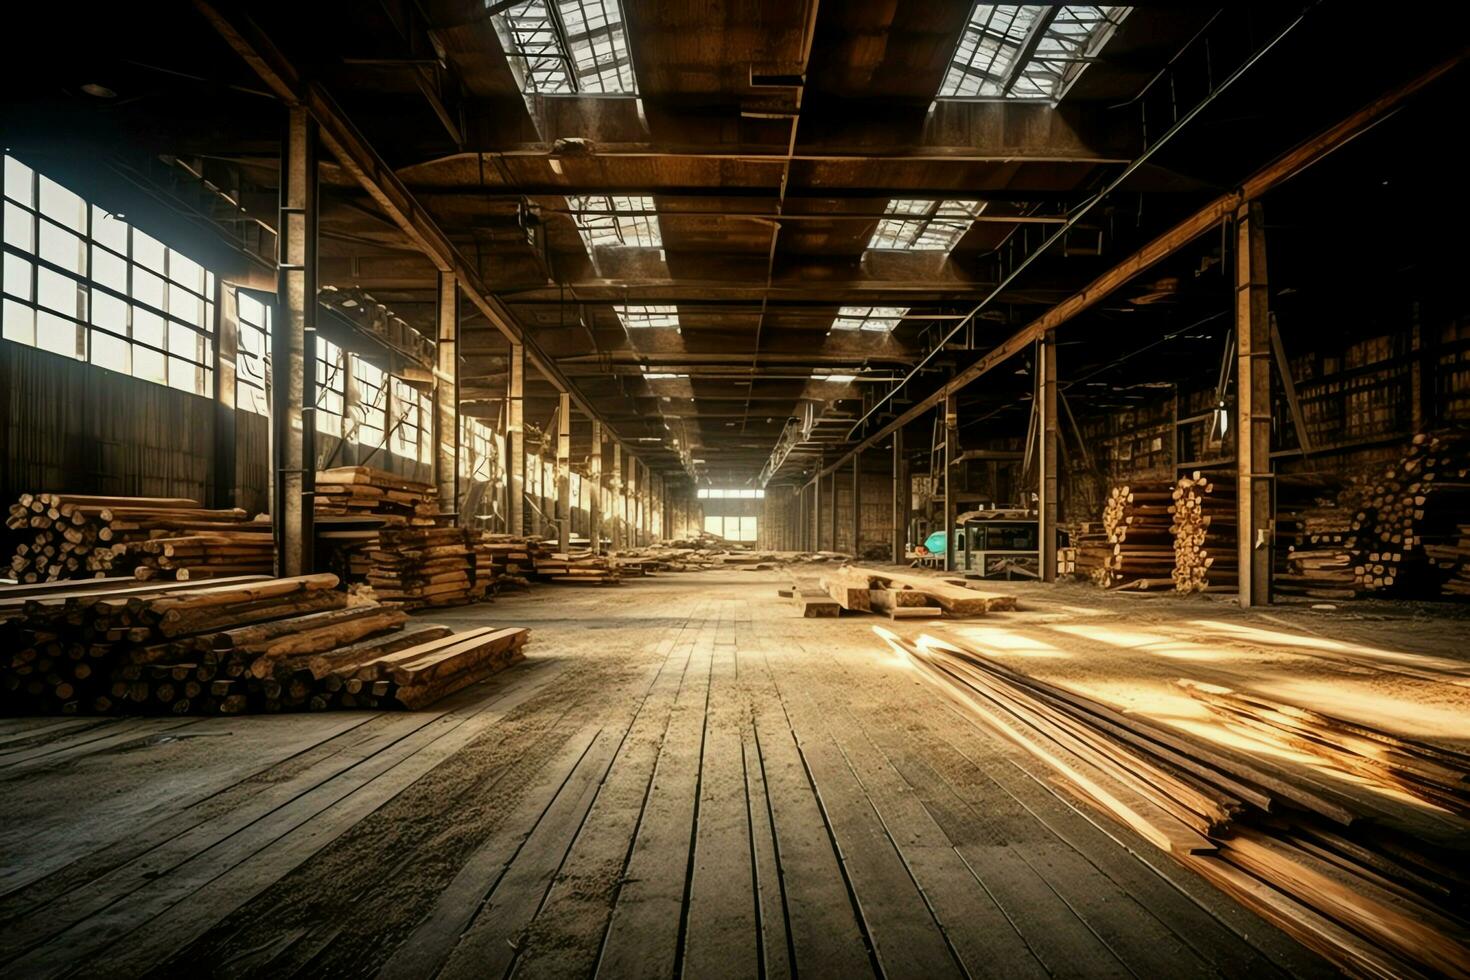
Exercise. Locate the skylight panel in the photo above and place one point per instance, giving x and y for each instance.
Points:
(1027, 51)
(565, 47)
(610, 221)
(924, 226)
(639, 317)
(876, 318)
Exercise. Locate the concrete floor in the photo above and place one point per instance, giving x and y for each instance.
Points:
(682, 779)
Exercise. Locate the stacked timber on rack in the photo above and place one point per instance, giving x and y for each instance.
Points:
(1407, 529)
(362, 490)
(234, 645)
(1205, 557)
(1316, 528)
(55, 536)
(427, 566)
(1140, 547)
(1377, 893)
(1454, 557)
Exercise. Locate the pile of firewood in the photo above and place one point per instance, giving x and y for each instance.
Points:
(432, 566)
(1089, 553)
(1407, 529)
(1377, 893)
(1205, 558)
(56, 536)
(244, 644)
(362, 490)
(1140, 550)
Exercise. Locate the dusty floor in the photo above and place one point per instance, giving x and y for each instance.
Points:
(683, 779)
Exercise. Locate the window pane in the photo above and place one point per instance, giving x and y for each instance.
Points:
(18, 322)
(60, 204)
(184, 376)
(148, 327)
(60, 293)
(148, 251)
(147, 364)
(20, 229)
(55, 334)
(109, 231)
(185, 305)
(250, 309)
(147, 288)
(110, 313)
(715, 525)
(61, 247)
(185, 271)
(109, 270)
(17, 181)
(184, 342)
(17, 276)
(113, 353)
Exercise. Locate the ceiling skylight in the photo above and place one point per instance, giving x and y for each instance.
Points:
(878, 318)
(566, 47)
(924, 226)
(606, 221)
(1027, 51)
(637, 317)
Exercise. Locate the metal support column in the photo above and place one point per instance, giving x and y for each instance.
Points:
(515, 450)
(857, 502)
(951, 450)
(1047, 478)
(293, 350)
(594, 495)
(900, 500)
(564, 473)
(1254, 520)
(226, 351)
(446, 397)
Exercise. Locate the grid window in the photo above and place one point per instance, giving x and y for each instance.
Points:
(924, 226)
(560, 47)
(477, 445)
(990, 60)
(84, 284)
(876, 318)
(372, 394)
(639, 317)
(609, 221)
(732, 528)
(411, 431)
(252, 364)
(331, 387)
(707, 493)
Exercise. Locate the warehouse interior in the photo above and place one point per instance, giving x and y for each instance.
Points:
(657, 488)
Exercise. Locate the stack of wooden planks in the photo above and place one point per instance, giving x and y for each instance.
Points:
(200, 555)
(1205, 558)
(1140, 547)
(242, 644)
(363, 490)
(952, 596)
(1314, 556)
(512, 556)
(1417, 503)
(1376, 897)
(427, 566)
(59, 536)
(1090, 553)
(585, 569)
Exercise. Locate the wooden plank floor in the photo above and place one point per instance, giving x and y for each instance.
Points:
(682, 780)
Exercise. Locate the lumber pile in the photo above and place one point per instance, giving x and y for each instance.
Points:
(1316, 528)
(811, 598)
(199, 555)
(363, 490)
(512, 556)
(954, 599)
(1205, 555)
(56, 536)
(1139, 551)
(1407, 529)
(246, 643)
(417, 567)
(586, 569)
(1090, 553)
(1374, 896)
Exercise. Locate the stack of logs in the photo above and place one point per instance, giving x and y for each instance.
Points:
(434, 566)
(245, 644)
(1140, 551)
(362, 490)
(1378, 893)
(1418, 504)
(1205, 557)
(1090, 553)
(59, 536)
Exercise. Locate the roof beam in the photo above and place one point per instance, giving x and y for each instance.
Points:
(1280, 170)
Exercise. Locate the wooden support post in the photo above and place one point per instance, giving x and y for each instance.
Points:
(226, 351)
(1253, 407)
(515, 449)
(900, 500)
(832, 510)
(951, 450)
(594, 494)
(293, 350)
(801, 522)
(564, 473)
(817, 513)
(1046, 505)
(857, 502)
(446, 397)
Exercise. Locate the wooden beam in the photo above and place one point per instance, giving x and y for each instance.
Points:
(564, 474)
(1047, 481)
(900, 499)
(1254, 519)
(446, 396)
